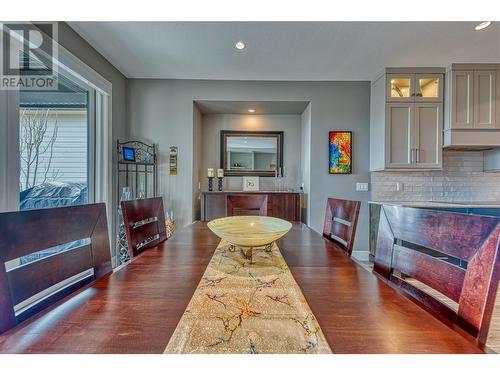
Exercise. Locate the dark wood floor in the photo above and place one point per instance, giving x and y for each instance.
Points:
(136, 309)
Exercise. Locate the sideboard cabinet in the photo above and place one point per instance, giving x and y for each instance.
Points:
(283, 205)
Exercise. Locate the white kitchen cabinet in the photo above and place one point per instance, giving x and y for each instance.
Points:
(428, 87)
(414, 87)
(428, 132)
(406, 119)
(484, 99)
(461, 92)
(414, 135)
(400, 87)
(472, 106)
(399, 135)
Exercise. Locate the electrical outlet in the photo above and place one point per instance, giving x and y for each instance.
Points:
(361, 186)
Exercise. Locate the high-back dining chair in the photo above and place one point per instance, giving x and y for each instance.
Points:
(341, 219)
(42, 248)
(144, 223)
(246, 204)
(406, 234)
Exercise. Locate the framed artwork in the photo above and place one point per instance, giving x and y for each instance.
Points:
(250, 183)
(340, 152)
(173, 160)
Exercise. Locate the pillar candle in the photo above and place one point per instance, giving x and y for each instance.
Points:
(210, 172)
(220, 172)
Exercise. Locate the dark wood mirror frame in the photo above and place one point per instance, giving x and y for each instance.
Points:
(224, 134)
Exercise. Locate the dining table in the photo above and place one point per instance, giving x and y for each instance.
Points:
(136, 308)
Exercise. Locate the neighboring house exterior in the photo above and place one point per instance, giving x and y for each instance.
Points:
(69, 153)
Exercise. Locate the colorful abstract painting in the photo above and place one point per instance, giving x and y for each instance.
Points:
(340, 152)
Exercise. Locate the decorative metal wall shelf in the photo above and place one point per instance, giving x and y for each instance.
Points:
(139, 173)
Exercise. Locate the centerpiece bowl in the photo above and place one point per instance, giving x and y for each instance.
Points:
(249, 232)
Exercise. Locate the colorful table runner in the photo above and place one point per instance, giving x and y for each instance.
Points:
(247, 306)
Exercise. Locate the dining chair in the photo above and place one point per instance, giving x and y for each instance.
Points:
(341, 219)
(47, 254)
(144, 223)
(408, 237)
(246, 204)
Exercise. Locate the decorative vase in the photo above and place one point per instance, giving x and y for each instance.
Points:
(170, 224)
(121, 236)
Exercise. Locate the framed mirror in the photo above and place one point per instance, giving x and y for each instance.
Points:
(249, 153)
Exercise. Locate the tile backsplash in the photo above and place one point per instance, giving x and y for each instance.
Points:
(462, 179)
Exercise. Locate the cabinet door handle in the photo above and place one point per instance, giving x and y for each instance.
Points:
(417, 152)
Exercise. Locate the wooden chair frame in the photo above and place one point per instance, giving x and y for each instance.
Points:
(144, 223)
(471, 238)
(341, 220)
(26, 232)
(248, 204)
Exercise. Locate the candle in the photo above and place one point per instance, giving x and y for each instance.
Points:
(220, 172)
(210, 172)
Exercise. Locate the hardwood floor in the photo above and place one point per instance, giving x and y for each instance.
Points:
(136, 309)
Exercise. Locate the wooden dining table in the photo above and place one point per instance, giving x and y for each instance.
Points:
(137, 307)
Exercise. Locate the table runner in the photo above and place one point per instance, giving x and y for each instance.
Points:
(247, 306)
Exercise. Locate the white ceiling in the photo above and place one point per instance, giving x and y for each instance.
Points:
(303, 51)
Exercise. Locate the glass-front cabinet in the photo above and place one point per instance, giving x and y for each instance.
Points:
(420, 87)
(428, 87)
(400, 87)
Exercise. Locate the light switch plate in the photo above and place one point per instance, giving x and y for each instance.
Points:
(361, 186)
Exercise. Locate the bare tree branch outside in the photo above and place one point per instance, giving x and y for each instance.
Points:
(37, 147)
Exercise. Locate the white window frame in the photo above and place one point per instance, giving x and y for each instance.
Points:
(100, 137)
(9, 150)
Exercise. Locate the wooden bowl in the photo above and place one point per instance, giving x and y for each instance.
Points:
(250, 231)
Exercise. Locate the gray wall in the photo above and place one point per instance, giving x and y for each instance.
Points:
(305, 160)
(162, 110)
(198, 156)
(214, 123)
(75, 44)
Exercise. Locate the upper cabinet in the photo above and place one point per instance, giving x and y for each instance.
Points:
(406, 119)
(472, 106)
(415, 87)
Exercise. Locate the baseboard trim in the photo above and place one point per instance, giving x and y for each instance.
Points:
(361, 255)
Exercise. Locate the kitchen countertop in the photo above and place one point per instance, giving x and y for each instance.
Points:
(431, 204)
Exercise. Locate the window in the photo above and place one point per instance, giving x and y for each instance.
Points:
(54, 144)
(75, 153)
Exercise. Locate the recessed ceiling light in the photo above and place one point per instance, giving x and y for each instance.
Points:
(482, 25)
(251, 110)
(240, 45)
